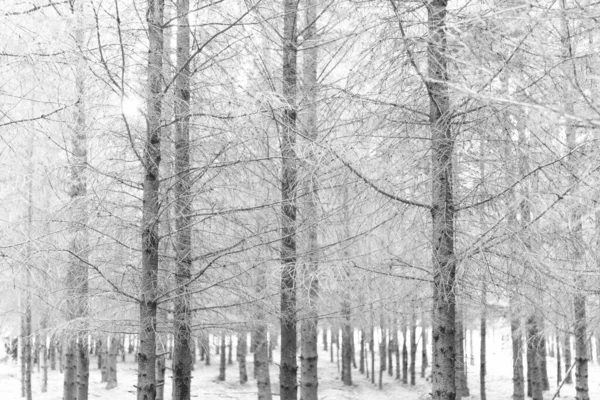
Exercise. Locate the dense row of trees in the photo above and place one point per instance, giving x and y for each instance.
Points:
(171, 169)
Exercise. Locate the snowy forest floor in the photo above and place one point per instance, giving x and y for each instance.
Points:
(206, 386)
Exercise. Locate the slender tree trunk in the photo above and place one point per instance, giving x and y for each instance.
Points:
(397, 352)
(26, 329)
(581, 352)
(324, 339)
(567, 353)
(223, 359)
(382, 355)
(182, 357)
(242, 349)
(146, 356)
(361, 360)
(261, 355)
(534, 376)
(347, 345)
(413, 350)
(113, 352)
(70, 377)
(558, 366)
(230, 351)
(483, 346)
(310, 356)
(471, 353)
(161, 366)
(543, 362)
(52, 352)
(288, 365)
(404, 354)
(442, 211)
(104, 357)
(44, 362)
(390, 353)
(424, 361)
(372, 348)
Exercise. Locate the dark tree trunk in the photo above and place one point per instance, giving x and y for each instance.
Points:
(442, 210)
(112, 363)
(543, 364)
(397, 352)
(372, 348)
(483, 345)
(534, 377)
(288, 365)
(146, 356)
(324, 339)
(242, 349)
(223, 354)
(413, 351)
(581, 351)
(230, 351)
(263, 380)
(346, 345)
(361, 360)
(404, 354)
(567, 353)
(424, 360)
(382, 356)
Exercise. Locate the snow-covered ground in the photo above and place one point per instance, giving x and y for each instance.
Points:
(206, 386)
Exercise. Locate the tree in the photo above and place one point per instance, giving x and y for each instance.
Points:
(146, 385)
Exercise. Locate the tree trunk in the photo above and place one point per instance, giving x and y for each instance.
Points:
(310, 356)
(347, 338)
(361, 359)
(534, 377)
(390, 353)
(442, 211)
(230, 350)
(182, 317)
(397, 352)
(324, 339)
(223, 359)
(105, 361)
(413, 350)
(113, 352)
(44, 365)
(483, 347)
(558, 366)
(146, 380)
(161, 366)
(382, 356)
(263, 380)
(567, 353)
(52, 352)
(543, 362)
(288, 365)
(424, 361)
(242, 349)
(404, 354)
(70, 377)
(372, 348)
(581, 351)
(333, 342)
(83, 361)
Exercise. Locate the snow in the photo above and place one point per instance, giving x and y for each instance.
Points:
(206, 386)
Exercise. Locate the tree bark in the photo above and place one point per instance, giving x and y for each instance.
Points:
(543, 362)
(442, 211)
(534, 377)
(558, 366)
(382, 355)
(223, 359)
(146, 357)
(567, 353)
(261, 355)
(70, 376)
(104, 357)
(324, 339)
(310, 356)
(242, 349)
(182, 318)
(347, 338)
(404, 354)
(424, 360)
(44, 364)
(483, 346)
(288, 365)
(361, 359)
(413, 350)
(581, 351)
(372, 348)
(113, 352)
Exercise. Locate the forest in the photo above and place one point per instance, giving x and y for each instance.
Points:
(299, 199)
